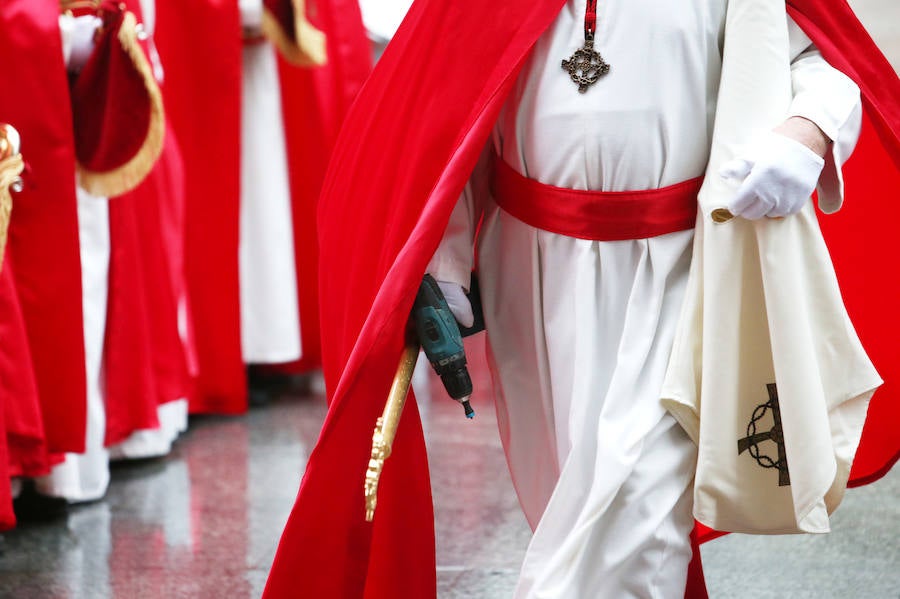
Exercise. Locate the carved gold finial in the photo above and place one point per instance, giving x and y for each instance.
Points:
(721, 215)
(11, 166)
(386, 427)
(10, 141)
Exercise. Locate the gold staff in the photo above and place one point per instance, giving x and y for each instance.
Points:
(386, 426)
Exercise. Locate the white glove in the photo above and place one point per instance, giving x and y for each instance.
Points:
(778, 175)
(251, 14)
(80, 38)
(460, 306)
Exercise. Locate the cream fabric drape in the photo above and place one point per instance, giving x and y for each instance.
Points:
(763, 307)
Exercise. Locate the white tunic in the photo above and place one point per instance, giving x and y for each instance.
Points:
(579, 331)
(270, 318)
(85, 476)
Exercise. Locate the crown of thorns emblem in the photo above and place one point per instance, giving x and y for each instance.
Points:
(775, 434)
(586, 66)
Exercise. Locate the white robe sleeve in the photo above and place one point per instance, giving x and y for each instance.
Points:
(454, 259)
(831, 100)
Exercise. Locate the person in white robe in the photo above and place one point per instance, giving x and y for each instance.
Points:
(270, 318)
(83, 477)
(580, 331)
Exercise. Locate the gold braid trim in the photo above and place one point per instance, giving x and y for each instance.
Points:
(128, 176)
(309, 49)
(10, 169)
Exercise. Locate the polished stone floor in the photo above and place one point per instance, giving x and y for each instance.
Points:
(204, 522)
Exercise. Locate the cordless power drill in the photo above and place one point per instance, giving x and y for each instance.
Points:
(440, 337)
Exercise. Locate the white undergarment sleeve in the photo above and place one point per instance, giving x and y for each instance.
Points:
(831, 100)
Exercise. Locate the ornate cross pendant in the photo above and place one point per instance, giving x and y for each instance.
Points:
(586, 66)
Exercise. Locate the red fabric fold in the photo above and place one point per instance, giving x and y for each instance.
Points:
(200, 45)
(7, 515)
(873, 175)
(160, 238)
(144, 360)
(130, 392)
(23, 428)
(43, 236)
(110, 103)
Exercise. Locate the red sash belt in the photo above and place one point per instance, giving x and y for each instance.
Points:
(597, 215)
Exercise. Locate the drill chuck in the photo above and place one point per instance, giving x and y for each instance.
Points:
(458, 383)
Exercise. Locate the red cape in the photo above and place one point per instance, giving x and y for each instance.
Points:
(410, 179)
(23, 445)
(872, 172)
(200, 46)
(43, 236)
(144, 360)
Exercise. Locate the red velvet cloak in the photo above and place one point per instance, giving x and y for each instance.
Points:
(144, 360)
(43, 235)
(199, 42)
(402, 159)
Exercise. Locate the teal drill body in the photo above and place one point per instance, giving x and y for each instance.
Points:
(439, 336)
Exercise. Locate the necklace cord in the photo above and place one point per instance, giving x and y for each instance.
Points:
(590, 19)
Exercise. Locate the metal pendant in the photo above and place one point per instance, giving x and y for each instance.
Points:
(586, 66)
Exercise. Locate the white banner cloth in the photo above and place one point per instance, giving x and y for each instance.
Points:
(763, 308)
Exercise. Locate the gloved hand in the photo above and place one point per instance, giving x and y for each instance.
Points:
(460, 306)
(81, 38)
(777, 176)
(251, 15)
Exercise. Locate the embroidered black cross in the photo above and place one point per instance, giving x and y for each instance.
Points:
(753, 439)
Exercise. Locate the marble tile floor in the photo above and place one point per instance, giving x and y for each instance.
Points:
(204, 522)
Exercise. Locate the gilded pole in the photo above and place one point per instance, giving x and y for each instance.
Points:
(386, 426)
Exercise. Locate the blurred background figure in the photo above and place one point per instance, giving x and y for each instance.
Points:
(134, 359)
(382, 18)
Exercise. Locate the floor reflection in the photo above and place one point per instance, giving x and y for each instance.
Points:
(205, 521)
